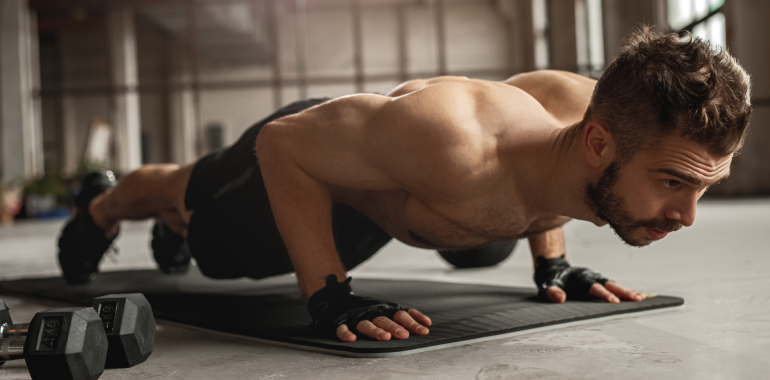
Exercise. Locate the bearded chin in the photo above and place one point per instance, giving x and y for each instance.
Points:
(610, 207)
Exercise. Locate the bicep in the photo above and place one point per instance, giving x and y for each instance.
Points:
(328, 142)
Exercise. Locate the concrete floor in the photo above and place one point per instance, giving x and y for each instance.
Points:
(719, 266)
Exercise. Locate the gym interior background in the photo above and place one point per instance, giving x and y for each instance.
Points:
(118, 83)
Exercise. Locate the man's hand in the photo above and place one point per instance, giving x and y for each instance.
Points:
(335, 308)
(383, 328)
(556, 279)
(609, 292)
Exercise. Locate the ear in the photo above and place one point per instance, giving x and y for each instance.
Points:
(598, 144)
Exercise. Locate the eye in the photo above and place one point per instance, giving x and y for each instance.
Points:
(671, 183)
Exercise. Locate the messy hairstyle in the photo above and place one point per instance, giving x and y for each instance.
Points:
(661, 85)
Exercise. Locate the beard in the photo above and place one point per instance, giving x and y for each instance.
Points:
(611, 208)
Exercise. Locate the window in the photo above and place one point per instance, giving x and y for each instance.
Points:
(540, 24)
(590, 37)
(701, 17)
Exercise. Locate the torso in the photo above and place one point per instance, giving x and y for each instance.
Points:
(490, 208)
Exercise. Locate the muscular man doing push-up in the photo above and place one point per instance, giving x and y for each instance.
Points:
(448, 163)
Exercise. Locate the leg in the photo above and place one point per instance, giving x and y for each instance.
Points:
(152, 191)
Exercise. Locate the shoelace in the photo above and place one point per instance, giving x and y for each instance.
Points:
(113, 252)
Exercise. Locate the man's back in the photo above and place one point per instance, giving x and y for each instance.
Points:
(439, 167)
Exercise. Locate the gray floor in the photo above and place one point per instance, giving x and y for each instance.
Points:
(719, 266)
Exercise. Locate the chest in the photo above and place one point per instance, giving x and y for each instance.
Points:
(466, 224)
(496, 215)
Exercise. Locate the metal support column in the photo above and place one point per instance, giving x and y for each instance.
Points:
(275, 50)
(440, 37)
(358, 46)
(20, 126)
(300, 34)
(125, 116)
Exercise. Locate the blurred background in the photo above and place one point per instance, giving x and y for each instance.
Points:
(90, 84)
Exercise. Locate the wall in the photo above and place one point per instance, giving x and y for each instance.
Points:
(84, 66)
(151, 60)
(747, 31)
(399, 41)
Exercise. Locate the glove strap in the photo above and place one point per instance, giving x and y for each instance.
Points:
(547, 273)
(322, 299)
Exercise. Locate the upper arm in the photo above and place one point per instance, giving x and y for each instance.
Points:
(328, 142)
(373, 142)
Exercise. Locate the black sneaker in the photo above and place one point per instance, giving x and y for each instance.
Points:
(170, 250)
(82, 243)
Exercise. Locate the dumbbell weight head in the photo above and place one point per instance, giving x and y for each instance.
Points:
(66, 344)
(5, 318)
(5, 314)
(130, 327)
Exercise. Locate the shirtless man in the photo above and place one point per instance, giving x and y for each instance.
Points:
(445, 163)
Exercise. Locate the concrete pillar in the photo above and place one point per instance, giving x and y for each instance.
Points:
(563, 44)
(182, 126)
(582, 43)
(521, 50)
(746, 22)
(125, 98)
(182, 115)
(621, 17)
(20, 127)
(69, 143)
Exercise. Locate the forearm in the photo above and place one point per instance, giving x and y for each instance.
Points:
(302, 209)
(549, 244)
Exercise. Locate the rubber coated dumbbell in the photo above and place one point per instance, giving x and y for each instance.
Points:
(63, 344)
(127, 320)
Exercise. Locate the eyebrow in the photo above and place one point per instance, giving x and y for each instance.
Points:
(686, 177)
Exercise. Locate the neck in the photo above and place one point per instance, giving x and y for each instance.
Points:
(556, 182)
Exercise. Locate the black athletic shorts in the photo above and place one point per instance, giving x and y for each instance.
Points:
(232, 232)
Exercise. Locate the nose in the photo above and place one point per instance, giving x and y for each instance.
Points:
(684, 210)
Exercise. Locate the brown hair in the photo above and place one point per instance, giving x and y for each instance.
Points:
(660, 84)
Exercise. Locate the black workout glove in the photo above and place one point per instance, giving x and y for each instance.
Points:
(576, 282)
(336, 305)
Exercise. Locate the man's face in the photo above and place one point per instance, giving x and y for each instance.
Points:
(656, 191)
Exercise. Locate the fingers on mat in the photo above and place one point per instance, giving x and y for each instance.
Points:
(345, 335)
(420, 317)
(599, 291)
(623, 292)
(395, 330)
(369, 329)
(556, 294)
(407, 320)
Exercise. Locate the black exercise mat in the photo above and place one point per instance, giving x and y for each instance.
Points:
(274, 310)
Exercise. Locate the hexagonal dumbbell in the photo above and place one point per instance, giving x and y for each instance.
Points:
(62, 344)
(127, 320)
(130, 327)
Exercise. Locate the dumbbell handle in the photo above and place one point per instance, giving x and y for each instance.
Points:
(14, 331)
(11, 349)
